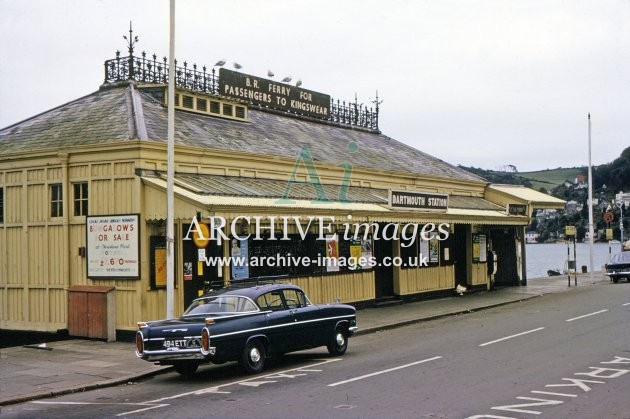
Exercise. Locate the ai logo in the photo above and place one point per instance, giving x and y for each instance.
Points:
(313, 177)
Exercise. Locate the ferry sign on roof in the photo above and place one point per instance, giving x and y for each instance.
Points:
(271, 94)
(418, 200)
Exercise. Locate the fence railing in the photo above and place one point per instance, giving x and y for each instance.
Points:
(193, 78)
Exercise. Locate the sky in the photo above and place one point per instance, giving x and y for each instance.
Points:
(481, 83)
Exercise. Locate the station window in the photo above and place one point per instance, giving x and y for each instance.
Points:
(227, 109)
(188, 102)
(202, 105)
(1, 205)
(56, 200)
(80, 198)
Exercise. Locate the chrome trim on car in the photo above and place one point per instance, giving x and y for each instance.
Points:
(162, 355)
(296, 323)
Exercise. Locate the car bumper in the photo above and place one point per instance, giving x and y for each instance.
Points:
(619, 274)
(176, 355)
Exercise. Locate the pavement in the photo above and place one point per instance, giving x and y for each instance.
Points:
(55, 368)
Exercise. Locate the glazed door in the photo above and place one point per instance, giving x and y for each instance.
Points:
(384, 275)
(461, 253)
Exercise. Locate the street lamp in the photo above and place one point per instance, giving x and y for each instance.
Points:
(621, 203)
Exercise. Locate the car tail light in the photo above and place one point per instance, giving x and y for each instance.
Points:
(141, 325)
(205, 341)
(139, 344)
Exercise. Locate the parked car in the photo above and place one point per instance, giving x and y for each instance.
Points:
(247, 324)
(619, 267)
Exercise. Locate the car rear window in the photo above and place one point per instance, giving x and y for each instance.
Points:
(228, 304)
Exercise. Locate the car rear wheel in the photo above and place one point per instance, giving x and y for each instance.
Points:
(186, 368)
(253, 357)
(338, 342)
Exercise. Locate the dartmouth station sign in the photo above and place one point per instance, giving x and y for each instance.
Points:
(418, 200)
(271, 94)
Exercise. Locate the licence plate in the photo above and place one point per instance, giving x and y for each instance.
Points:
(175, 343)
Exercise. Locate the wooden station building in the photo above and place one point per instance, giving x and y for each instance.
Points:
(83, 202)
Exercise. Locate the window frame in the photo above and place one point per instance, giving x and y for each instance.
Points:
(81, 200)
(55, 190)
(1, 204)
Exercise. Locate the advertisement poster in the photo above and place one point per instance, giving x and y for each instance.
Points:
(188, 271)
(479, 248)
(240, 254)
(423, 246)
(356, 253)
(434, 249)
(113, 246)
(332, 253)
(160, 266)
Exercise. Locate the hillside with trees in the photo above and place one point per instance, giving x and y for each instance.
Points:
(608, 180)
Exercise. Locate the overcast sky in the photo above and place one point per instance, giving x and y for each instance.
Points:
(479, 83)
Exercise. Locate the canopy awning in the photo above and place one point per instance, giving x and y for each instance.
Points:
(252, 197)
(507, 195)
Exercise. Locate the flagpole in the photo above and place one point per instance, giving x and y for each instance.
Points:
(170, 171)
(591, 232)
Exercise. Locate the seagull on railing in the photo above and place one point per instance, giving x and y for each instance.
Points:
(298, 83)
(270, 73)
(220, 63)
(237, 66)
(286, 79)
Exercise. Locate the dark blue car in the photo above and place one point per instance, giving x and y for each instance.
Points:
(245, 324)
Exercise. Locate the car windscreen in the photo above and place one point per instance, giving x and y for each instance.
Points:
(221, 305)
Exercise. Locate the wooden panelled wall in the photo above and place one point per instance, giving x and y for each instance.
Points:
(40, 254)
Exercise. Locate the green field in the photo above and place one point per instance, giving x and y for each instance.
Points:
(549, 179)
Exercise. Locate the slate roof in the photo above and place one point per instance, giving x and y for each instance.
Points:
(123, 112)
(267, 188)
(96, 118)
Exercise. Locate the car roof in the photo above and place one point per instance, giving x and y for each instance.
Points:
(250, 291)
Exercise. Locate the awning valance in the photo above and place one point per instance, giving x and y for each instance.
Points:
(464, 210)
(506, 195)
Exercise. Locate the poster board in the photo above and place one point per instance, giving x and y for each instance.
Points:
(113, 246)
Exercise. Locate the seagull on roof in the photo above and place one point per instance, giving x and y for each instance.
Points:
(298, 83)
(220, 63)
(237, 66)
(270, 73)
(286, 79)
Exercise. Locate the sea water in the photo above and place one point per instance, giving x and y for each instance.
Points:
(544, 256)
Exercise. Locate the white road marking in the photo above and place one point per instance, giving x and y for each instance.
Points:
(551, 393)
(215, 389)
(587, 315)
(384, 371)
(85, 403)
(150, 406)
(511, 336)
(155, 406)
(626, 304)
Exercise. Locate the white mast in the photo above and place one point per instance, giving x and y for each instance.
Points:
(170, 171)
(590, 202)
